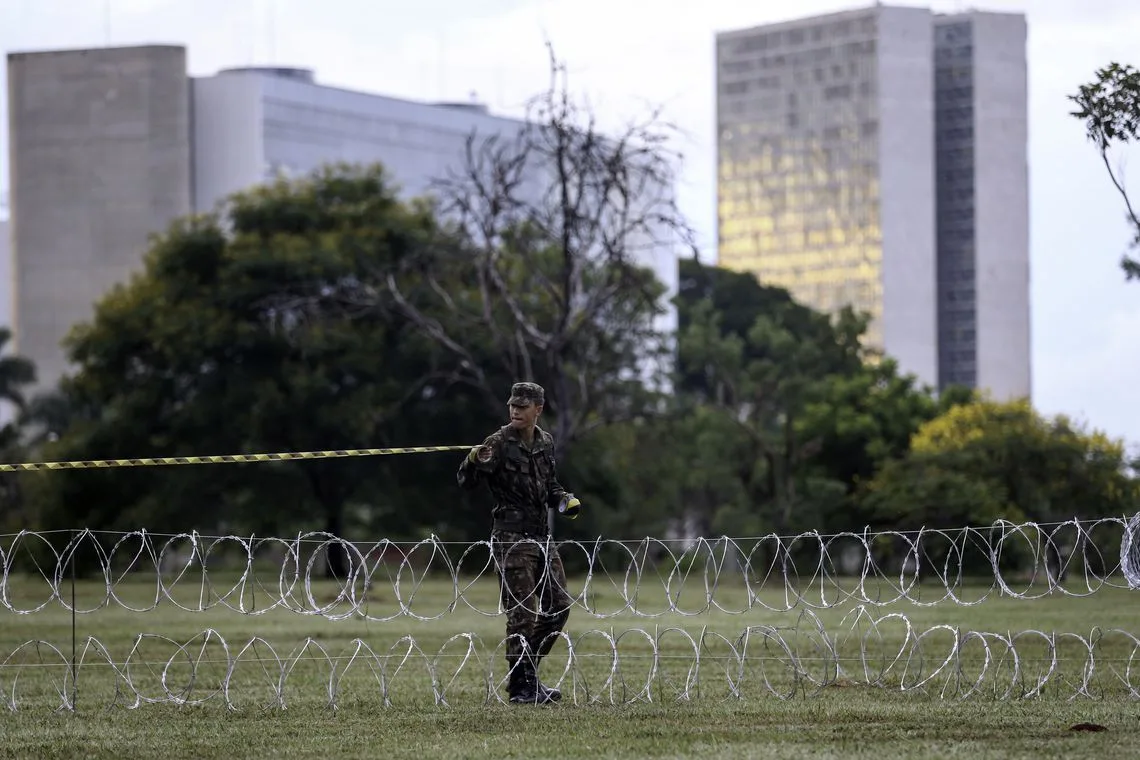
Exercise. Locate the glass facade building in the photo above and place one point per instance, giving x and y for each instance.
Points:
(798, 186)
(846, 173)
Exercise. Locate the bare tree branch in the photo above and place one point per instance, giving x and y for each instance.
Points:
(539, 258)
(1110, 108)
(1120, 188)
(560, 219)
(436, 331)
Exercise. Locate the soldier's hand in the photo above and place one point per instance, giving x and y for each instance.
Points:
(569, 506)
(482, 455)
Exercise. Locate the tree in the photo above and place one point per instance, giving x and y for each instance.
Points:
(196, 356)
(739, 299)
(1110, 109)
(763, 381)
(763, 362)
(548, 229)
(16, 373)
(866, 419)
(1029, 466)
(851, 409)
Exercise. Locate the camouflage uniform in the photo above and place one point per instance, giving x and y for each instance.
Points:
(523, 483)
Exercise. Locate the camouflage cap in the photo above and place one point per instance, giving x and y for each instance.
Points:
(523, 394)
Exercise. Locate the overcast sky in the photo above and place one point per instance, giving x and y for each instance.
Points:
(627, 54)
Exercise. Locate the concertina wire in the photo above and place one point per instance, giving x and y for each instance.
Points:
(816, 609)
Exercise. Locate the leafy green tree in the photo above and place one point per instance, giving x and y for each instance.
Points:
(739, 299)
(985, 459)
(1110, 108)
(201, 354)
(763, 382)
(16, 374)
(933, 492)
(850, 410)
(865, 420)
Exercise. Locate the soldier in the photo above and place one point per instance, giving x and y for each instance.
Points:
(517, 464)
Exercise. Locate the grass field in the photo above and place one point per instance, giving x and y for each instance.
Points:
(831, 710)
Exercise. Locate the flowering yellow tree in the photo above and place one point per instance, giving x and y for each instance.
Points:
(988, 459)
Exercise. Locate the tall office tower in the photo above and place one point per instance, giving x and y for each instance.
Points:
(982, 134)
(825, 168)
(100, 159)
(851, 150)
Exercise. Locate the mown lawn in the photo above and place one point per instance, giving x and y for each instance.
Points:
(280, 683)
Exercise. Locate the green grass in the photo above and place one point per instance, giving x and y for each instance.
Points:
(828, 714)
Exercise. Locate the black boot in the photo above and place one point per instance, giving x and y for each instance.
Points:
(552, 694)
(524, 688)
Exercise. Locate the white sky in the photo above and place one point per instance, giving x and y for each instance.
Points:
(626, 55)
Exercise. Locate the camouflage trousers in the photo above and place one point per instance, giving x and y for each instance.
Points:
(532, 587)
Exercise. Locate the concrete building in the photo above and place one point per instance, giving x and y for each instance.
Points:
(100, 160)
(836, 138)
(244, 126)
(981, 86)
(7, 412)
(6, 304)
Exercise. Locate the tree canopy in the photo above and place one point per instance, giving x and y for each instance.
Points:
(984, 460)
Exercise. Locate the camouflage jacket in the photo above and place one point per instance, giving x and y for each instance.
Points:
(523, 480)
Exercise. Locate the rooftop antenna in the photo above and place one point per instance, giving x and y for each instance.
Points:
(441, 72)
(252, 34)
(271, 12)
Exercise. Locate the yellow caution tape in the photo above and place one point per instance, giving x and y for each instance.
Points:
(223, 459)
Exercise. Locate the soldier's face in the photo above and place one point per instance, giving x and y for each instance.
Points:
(524, 416)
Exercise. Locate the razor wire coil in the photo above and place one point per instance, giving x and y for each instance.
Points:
(927, 567)
(645, 579)
(759, 662)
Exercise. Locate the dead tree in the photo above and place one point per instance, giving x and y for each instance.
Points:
(548, 232)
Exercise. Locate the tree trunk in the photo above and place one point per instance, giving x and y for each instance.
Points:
(331, 499)
(338, 565)
(775, 492)
(564, 421)
(788, 495)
